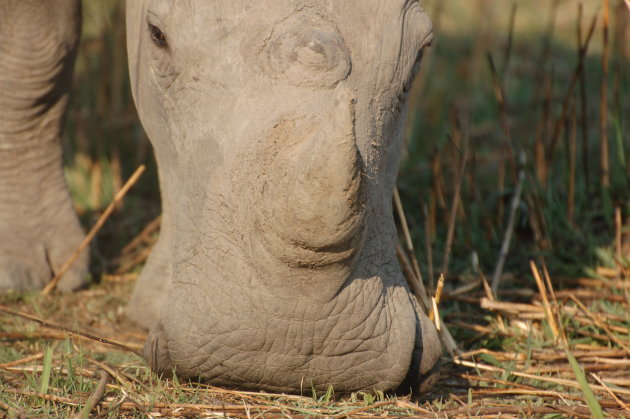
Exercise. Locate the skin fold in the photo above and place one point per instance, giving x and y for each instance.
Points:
(277, 128)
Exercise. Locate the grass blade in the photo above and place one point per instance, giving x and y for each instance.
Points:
(45, 379)
(593, 404)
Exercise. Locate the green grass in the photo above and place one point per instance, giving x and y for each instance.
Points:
(104, 144)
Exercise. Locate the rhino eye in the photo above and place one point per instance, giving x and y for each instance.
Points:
(157, 36)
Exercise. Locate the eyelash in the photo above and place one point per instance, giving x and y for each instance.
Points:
(158, 38)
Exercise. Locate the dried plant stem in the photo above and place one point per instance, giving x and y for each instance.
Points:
(363, 409)
(507, 238)
(583, 103)
(454, 207)
(618, 233)
(572, 138)
(508, 48)
(500, 97)
(569, 93)
(416, 286)
(22, 361)
(601, 325)
(501, 188)
(99, 224)
(44, 323)
(603, 109)
(143, 236)
(94, 398)
(407, 234)
(543, 294)
(138, 258)
(613, 395)
(560, 381)
(435, 301)
(429, 246)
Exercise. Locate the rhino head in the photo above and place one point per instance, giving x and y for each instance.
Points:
(277, 127)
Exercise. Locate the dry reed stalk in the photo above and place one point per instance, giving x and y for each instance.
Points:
(502, 411)
(613, 328)
(115, 166)
(601, 325)
(490, 295)
(548, 37)
(138, 258)
(48, 335)
(537, 222)
(88, 238)
(120, 278)
(191, 409)
(77, 333)
(572, 137)
(500, 356)
(411, 406)
(435, 302)
(618, 233)
(96, 189)
(590, 294)
(47, 397)
(423, 298)
(501, 188)
(95, 397)
(527, 392)
(452, 220)
(501, 99)
(109, 370)
(603, 104)
(22, 361)
(583, 103)
(566, 368)
(439, 289)
(492, 380)
(607, 272)
(552, 292)
(569, 93)
(543, 293)
(143, 236)
(535, 377)
(363, 409)
(507, 238)
(428, 242)
(508, 48)
(512, 308)
(464, 289)
(437, 175)
(403, 221)
(613, 395)
(544, 130)
(416, 286)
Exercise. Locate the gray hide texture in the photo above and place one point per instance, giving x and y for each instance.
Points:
(277, 129)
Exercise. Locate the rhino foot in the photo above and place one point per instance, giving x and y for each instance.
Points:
(30, 255)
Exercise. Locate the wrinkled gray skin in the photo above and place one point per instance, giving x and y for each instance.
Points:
(277, 130)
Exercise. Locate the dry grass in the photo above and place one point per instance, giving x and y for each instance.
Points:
(521, 370)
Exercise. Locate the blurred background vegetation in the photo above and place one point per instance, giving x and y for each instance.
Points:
(503, 91)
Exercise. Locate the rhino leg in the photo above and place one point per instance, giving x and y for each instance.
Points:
(39, 229)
